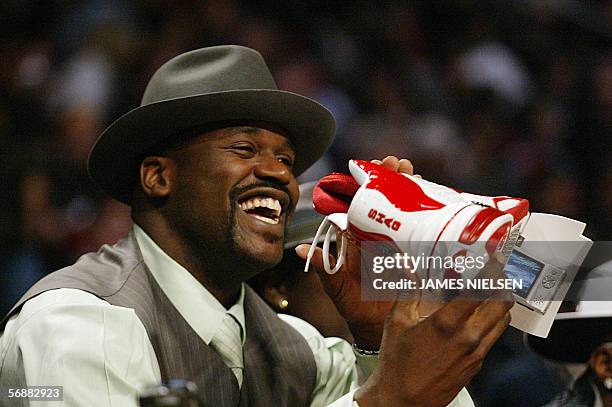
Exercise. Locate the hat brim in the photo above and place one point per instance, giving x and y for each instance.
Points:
(571, 340)
(113, 161)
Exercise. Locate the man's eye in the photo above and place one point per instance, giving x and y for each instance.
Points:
(244, 148)
(286, 160)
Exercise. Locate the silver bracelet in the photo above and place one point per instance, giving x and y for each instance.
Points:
(365, 352)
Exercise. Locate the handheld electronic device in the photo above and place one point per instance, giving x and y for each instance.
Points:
(539, 281)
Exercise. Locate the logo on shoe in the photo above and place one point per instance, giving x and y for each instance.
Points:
(384, 220)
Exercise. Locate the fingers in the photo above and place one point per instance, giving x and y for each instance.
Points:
(394, 164)
(492, 336)
(391, 162)
(406, 166)
(494, 309)
(484, 313)
(492, 270)
(404, 312)
(490, 313)
(317, 259)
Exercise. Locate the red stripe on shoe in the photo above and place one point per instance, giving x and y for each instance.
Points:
(478, 224)
(402, 192)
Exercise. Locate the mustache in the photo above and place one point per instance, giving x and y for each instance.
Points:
(237, 191)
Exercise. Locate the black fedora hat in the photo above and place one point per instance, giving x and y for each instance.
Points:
(220, 84)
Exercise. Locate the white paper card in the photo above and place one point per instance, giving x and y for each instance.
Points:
(544, 227)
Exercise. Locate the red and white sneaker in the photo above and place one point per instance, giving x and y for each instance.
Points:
(415, 215)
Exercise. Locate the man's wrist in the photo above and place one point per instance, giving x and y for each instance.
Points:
(366, 365)
(367, 336)
(365, 352)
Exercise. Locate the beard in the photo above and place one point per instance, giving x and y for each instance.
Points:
(253, 256)
(222, 243)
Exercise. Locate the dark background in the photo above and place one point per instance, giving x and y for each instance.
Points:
(510, 97)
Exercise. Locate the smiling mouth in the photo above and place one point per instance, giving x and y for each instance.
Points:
(263, 208)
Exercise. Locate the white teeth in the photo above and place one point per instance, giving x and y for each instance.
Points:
(265, 202)
(267, 220)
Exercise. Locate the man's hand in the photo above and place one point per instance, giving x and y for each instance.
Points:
(365, 319)
(427, 363)
(422, 362)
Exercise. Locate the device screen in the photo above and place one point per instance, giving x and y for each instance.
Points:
(521, 267)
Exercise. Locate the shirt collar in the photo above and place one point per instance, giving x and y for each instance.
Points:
(202, 311)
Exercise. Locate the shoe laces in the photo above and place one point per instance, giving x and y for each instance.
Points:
(330, 229)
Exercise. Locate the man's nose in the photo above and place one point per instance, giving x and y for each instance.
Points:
(271, 169)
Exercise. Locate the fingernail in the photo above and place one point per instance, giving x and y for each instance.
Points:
(302, 249)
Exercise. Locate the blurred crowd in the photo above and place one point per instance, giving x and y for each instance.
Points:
(490, 97)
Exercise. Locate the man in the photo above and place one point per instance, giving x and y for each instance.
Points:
(208, 163)
(582, 334)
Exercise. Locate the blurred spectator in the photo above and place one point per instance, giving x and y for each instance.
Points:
(381, 130)
(305, 76)
(513, 376)
(87, 80)
(492, 65)
(560, 195)
(582, 333)
(492, 97)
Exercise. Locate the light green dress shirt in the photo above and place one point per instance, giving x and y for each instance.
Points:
(101, 354)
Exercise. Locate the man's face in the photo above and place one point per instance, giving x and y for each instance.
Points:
(234, 188)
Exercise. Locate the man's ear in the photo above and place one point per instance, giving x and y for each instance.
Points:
(157, 176)
(601, 362)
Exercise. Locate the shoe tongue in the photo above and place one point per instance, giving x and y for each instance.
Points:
(334, 193)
